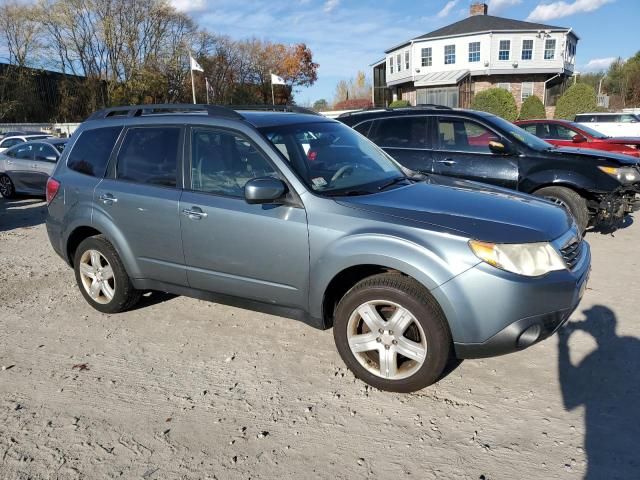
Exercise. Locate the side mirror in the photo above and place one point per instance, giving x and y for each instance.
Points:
(499, 148)
(578, 139)
(264, 190)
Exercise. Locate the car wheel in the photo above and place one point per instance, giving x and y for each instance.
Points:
(570, 200)
(392, 334)
(102, 278)
(7, 190)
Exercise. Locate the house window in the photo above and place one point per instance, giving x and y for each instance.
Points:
(391, 65)
(399, 62)
(474, 52)
(426, 57)
(449, 54)
(505, 48)
(527, 49)
(527, 90)
(406, 60)
(504, 85)
(550, 49)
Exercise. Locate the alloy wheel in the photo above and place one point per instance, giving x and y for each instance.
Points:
(386, 339)
(6, 187)
(97, 276)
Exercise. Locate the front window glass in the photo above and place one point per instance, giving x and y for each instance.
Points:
(520, 134)
(457, 134)
(563, 133)
(25, 152)
(333, 159)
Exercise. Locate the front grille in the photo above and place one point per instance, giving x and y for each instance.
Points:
(571, 253)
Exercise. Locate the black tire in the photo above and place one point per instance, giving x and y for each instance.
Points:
(569, 199)
(412, 296)
(125, 296)
(7, 189)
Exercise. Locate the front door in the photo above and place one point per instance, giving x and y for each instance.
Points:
(141, 196)
(44, 162)
(464, 152)
(259, 252)
(21, 170)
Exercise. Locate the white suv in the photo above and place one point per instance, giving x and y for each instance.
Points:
(612, 124)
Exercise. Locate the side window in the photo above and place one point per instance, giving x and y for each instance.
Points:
(223, 162)
(149, 155)
(24, 152)
(363, 128)
(563, 133)
(464, 136)
(10, 142)
(401, 132)
(44, 152)
(532, 129)
(628, 119)
(92, 150)
(607, 118)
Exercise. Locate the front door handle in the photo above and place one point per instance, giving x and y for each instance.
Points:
(108, 199)
(447, 161)
(194, 213)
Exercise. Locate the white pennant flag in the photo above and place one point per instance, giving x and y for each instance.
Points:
(276, 80)
(195, 65)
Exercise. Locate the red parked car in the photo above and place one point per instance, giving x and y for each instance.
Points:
(562, 133)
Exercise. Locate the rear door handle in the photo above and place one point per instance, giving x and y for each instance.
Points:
(447, 161)
(108, 199)
(194, 213)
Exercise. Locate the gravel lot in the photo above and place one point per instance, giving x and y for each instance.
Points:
(181, 388)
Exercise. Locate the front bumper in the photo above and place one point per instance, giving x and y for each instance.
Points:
(492, 312)
(609, 210)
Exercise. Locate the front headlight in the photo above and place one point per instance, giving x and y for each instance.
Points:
(624, 175)
(529, 259)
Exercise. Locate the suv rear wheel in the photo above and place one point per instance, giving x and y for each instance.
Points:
(7, 189)
(570, 200)
(101, 277)
(392, 334)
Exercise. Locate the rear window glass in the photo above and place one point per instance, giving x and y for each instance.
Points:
(149, 155)
(401, 132)
(92, 150)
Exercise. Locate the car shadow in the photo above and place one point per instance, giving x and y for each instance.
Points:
(153, 298)
(626, 222)
(21, 212)
(607, 384)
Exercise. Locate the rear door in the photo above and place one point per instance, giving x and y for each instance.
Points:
(406, 138)
(141, 194)
(258, 252)
(464, 152)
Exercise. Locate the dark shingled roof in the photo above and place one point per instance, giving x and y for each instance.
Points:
(483, 23)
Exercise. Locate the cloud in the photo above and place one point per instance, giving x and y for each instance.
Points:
(189, 5)
(446, 10)
(544, 12)
(496, 6)
(331, 5)
(599, 64)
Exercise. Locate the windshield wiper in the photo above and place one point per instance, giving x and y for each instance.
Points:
(393, 181)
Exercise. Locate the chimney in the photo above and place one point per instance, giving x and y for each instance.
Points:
(479, 9)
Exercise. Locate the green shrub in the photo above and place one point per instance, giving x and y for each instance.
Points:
(578, 98)
(497, 101)
(532, 109)
(399, 104)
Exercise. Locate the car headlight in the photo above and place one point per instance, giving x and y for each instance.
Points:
(624, 175)
(529, 259)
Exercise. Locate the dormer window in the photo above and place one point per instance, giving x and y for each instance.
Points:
(550, 49)
(504, 50)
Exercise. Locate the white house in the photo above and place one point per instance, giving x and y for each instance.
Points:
(449, 65)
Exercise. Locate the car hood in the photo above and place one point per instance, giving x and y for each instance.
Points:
(472, 209)
(609, 157)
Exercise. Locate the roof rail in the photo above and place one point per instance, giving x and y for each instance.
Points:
(432, 105)
(156, 109)
(275, 108)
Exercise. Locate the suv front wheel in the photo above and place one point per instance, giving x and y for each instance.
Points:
(392, 334)
(570, 200)
(101, 277)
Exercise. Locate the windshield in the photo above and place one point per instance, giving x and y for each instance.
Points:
(333, 159)
(522, 135)
(589, 130)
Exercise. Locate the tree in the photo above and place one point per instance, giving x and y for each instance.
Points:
(531, 109)
(578, 98)
(356, 88)
(320, 105)
(498, 101)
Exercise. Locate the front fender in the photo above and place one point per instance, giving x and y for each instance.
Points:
(572, 179)
(431, 266)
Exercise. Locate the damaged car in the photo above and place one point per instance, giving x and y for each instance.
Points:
(598, 188)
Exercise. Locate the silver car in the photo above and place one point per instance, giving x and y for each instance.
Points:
(25, 167)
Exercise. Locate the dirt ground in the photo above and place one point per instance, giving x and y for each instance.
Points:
(185, 389)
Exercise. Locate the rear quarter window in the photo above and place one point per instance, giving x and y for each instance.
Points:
(92, 150)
